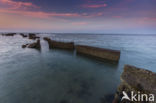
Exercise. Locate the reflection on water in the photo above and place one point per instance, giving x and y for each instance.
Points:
(57, 76)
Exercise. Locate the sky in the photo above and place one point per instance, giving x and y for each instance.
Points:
(79, 16)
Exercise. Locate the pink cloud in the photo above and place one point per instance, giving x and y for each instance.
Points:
(22, 8)
(17, 4)
(94, 5)
(38, 14)
(41, 14)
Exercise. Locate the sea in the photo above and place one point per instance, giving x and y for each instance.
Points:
(61, 76)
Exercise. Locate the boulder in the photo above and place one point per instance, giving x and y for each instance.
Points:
(59, 45)
(33, 36)
(23, 35)
(47, 39)
(101, 53)
(9, 34)
(35, 45)
(138, 80)
(24, 46)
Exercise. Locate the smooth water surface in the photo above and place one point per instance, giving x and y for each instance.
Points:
(59, 76)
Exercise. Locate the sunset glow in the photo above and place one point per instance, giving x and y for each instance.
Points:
(90, 16)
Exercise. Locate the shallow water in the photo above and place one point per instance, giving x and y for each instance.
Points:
(58, 76)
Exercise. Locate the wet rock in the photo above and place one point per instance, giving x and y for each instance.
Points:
(35, 45)
(9, 34)
(33, 36)
(136, 80)
(59, 45)
(23, 35)
(101, 53)
(47, 39)
(24, 46)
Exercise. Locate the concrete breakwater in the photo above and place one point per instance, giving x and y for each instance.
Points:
(139, 85)
(59, 45)
(102, 53)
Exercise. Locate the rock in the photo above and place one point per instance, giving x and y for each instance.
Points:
(138, 80)
(9, 34)
(35, 45)
(102, 53)
(33, 36)
(23, 35)
(47, 39)
(59, 45)
(24, 46)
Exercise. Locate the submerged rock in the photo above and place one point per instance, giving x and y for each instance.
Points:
(107, 98)
(102, 53)
(33, 36)
(59, 45)
(136, 80)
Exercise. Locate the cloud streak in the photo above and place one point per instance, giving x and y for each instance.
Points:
(38, 14)
(17, 4)
(94, 5)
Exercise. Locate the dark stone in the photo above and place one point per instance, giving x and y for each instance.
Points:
(24, 46)
(47, 39)
(35, 45)
(139, 79)
(23, 35)
(9, 34)
(136, 80)
(33, 36)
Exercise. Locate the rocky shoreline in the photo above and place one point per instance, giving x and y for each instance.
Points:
(138, 80)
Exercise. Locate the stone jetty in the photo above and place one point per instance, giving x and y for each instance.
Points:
(59, 45)
(138, 84)
(101, 53)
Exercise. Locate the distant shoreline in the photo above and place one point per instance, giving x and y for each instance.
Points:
(122, 34)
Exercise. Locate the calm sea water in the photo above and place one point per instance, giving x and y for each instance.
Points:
(58, 76)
